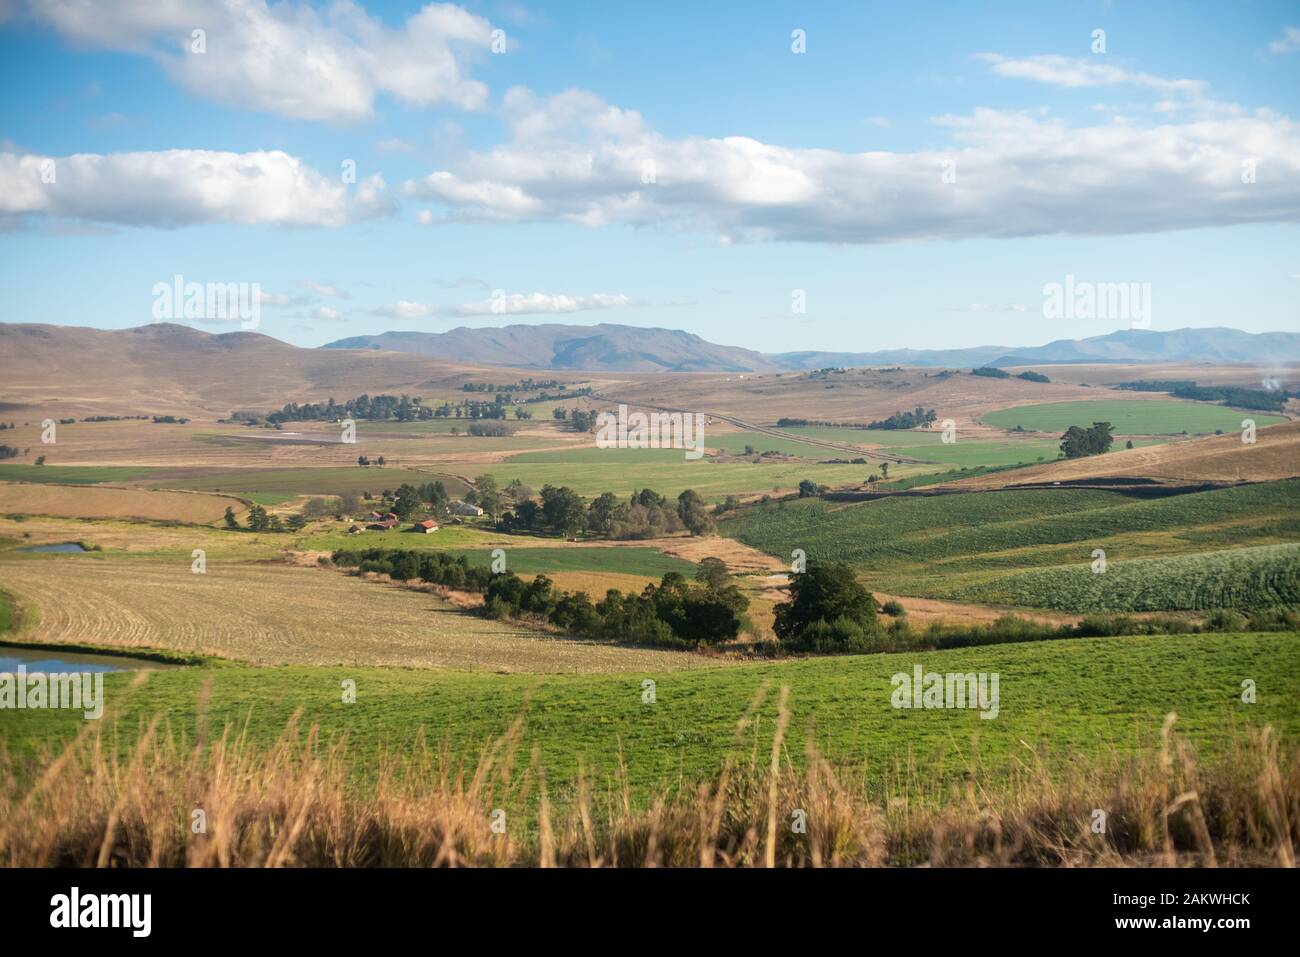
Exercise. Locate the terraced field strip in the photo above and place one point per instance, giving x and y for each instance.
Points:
(1267, 576)
(281, 614)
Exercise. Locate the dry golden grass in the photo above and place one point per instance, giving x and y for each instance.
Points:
(209, 444)
(272, 614)
(1219, 458)
(81, 501)
(115, 535)
(297, 803)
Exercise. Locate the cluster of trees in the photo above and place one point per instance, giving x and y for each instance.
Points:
(646, 514)
(828, 610)
(166, 420)
(676, 613)
(1266, 401)
(108, 418)
(404, 408)
(11, 452)
(523, 385)
(408, 499)
(580, 420)
(496, 429)
(400, 564)
(906, 420)
(473, 409)
(810, 489)
(991, 372)
(1033, 377)
(257, 520)
(1078, 442)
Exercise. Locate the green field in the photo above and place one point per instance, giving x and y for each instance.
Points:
(591, 471)
(1267, 576)
(1129, 416)
(947, 545)
(1069, 696)
(286, 483)
(71, 474)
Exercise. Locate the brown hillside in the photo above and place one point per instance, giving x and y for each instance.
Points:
(1218, 458)
(169, 369)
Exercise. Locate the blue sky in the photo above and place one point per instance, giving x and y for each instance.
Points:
(680, 166)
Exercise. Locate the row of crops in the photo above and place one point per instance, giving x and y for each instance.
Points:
(1247, 579)
(883, 533)
(978, 544)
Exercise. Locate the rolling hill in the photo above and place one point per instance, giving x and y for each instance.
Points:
(609, 347)
(604, 347)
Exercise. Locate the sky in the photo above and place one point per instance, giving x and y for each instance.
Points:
(779, 176)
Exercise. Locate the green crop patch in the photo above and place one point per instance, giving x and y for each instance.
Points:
(917, 545)
(1129, 417)
(72, 474)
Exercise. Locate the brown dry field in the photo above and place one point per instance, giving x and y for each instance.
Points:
(276, 614)
(1246, 375)
(82, 501)
(213, 445)
(858, 396)
(1218, 458)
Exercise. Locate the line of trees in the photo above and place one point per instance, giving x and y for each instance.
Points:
(906, 420)
(259, 520)
(1262, 399)
(403, 408)
(676, 613)
(646, 514)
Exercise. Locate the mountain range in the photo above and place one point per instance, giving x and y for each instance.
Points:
(609, 348)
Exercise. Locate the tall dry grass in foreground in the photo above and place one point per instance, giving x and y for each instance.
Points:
(299, 803)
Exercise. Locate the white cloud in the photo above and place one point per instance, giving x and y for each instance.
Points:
(574, 158)
(1289, 43)
(1081, 72)
(514, 304)
(325, 312)
(405, 309)
(172, 188)
(395, 146)
(288, 58)
(327, 289)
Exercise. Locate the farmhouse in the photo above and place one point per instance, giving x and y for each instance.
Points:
(426, 527)
(464, 508)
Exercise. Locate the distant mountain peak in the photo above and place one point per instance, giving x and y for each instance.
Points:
(614, 348)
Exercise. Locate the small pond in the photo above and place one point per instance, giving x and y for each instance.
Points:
(55, 547)
(53, 662)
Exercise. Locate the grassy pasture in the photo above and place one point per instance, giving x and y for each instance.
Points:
(286, 483)
(1082, 696)
(154, 505)
(71, 474)
(623, 471)
(1129, 416)
(120, 539)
